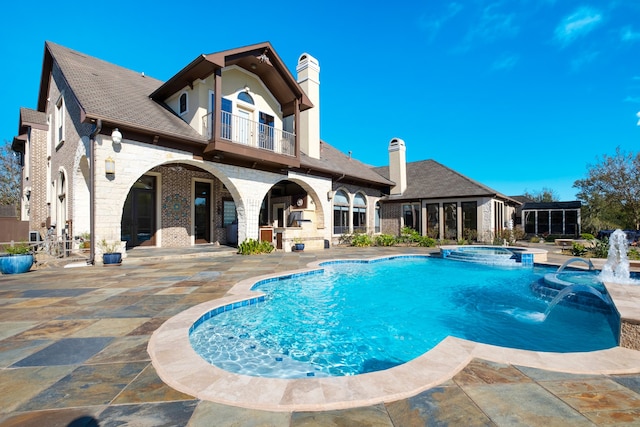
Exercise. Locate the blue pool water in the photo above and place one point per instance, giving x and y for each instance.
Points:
(359, 317)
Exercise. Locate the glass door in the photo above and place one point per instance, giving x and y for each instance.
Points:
(202, 209)
(138, 216)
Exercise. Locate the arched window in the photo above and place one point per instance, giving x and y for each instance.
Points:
(377, 218)
(340, 213)
(360, 213)
(244, 96)
(183, 103)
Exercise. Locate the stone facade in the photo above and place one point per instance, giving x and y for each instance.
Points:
(629, 335)
(35, 181)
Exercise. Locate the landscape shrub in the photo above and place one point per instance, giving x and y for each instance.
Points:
(361, 240)
(254, 247)
(427, 242)
(578, 249)
(409, 235)
(385, 240)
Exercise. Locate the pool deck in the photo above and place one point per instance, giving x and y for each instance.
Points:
(73, 351)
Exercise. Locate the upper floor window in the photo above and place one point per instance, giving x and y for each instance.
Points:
(183, 103)
(244, 96)
(60, 121)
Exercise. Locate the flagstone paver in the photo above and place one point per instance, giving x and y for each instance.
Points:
(73, 352)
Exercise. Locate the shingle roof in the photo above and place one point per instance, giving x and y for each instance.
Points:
(428, 179)
(337, 163)
(118, 95)
(121, 97)
(32, 117)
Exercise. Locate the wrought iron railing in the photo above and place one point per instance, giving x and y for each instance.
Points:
(243, 131)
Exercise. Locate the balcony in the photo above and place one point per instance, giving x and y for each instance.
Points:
(250, 134)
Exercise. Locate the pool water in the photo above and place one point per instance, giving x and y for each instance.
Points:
(354, 318)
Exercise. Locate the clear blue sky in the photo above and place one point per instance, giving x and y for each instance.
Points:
(516, 94)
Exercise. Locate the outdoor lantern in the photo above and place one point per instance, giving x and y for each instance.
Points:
(116, 136)
(109, 166)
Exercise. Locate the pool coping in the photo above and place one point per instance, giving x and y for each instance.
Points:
(179, 366)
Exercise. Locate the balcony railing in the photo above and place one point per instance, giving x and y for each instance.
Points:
(241, 130)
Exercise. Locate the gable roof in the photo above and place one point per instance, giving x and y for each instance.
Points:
(114, 94)
(428, 179)
(259, 59)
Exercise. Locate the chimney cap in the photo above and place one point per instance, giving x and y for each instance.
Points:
(396, 144)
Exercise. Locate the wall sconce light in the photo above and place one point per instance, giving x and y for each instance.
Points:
(110, 166)
(116, 136)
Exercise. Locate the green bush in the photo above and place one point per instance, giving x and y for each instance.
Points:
(409, 235)
(535, 239)
(578, 249)
(633, 254)
(601, 248)
(427, 242)
(254, 247)
(361, 240)
(587, 236)
(385, 240)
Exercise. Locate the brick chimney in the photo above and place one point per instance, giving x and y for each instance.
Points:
(398, 165)
(308, 70)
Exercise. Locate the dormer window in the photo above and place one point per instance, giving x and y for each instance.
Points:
(244, 96)
(183, 103)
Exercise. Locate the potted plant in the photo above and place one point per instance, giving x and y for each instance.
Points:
(297, 244)
(111, 254)
(18, 258)
(84, 241)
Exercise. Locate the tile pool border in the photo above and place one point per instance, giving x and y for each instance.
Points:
(179, 366)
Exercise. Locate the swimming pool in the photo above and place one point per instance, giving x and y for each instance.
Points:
(358, 317)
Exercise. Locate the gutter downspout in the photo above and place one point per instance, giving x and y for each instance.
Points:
(92, 191)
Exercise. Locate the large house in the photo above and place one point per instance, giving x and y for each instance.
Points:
(227, 149)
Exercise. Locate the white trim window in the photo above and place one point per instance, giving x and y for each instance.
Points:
(359, 213)
(340, 212)
(60, 125)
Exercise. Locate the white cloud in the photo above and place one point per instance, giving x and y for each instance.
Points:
(506, 62)
(494, 24)
(628, 35)
(584, 59)
(578, 24)
(432, 26)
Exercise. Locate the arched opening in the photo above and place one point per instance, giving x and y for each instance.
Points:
(291, 211)
(178, 205)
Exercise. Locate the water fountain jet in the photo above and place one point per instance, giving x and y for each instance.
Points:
(616, 269)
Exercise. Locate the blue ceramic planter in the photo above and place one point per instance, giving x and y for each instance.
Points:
(15, 264)
(112, 258)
